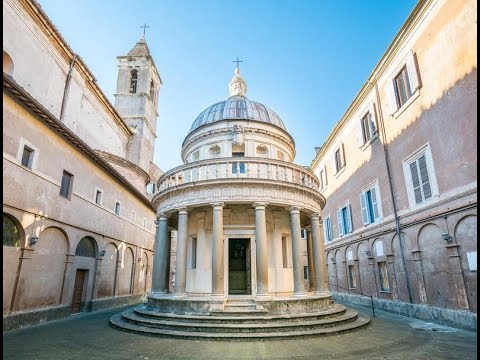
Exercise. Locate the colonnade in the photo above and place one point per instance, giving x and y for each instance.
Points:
(315, 251)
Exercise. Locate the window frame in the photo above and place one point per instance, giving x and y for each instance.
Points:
(424, 150)
(70, 185)
(25, 143)
(345, 229)
(97, 189)
(327, 230)
(402, 75)
(372, 186)
(117, 202)
(133, 85)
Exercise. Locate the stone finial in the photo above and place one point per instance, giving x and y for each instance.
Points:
(237, 86)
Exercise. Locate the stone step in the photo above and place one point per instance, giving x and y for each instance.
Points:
(234, 311)
(257, 317)
(227, 327)
(119, 322)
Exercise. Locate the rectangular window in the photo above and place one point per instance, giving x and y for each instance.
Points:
(383, 274)
(338, 162)
(369, 206)
(285, 252)
(66, 185)
(304, 234)
(327, 229)
(117, 208)
(368, 127)
(344, 219)
(352, 276)
(193, 253)
(27, 157)
(98, 197)
(420, 180)
(305, 272)
(238, 167)
(402, 87)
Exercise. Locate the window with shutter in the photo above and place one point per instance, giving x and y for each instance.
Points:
(363, 205)
(348, 213)
(402, 87)
(420, 180)
(27, 157)
(330, 230)
(325, 231)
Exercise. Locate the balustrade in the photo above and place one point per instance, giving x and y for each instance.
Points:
(251, 168)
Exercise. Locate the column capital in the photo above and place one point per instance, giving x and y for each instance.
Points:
(294, 209)
(260, 205)
(315, 216)
(217, 205)
(183, 211)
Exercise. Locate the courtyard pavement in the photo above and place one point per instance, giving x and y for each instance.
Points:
(88, 336)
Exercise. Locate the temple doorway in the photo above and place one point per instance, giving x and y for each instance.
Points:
(239, 282)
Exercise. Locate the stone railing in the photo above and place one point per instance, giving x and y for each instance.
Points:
(233, 168)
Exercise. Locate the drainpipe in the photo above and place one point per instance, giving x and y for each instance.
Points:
(397, 219)
(67, 86)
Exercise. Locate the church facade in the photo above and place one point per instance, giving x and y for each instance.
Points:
(78, 224)
(399, 170)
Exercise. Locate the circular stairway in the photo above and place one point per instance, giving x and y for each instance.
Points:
(237, 323)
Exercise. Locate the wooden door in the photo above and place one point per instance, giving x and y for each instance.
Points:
(78, 291)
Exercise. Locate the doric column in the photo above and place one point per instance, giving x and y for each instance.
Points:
(261, 248)
(311, 266)
(296, 230)
(217, 250)
(181, 260)
(160, 258)
(318, 255)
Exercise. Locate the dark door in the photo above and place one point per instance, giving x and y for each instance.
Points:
(238, 266)
(78, 291)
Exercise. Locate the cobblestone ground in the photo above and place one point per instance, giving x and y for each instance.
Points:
(89, 336)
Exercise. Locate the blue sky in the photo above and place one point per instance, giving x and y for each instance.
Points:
(306, 60)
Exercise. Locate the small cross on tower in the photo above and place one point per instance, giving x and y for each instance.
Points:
(145, 26)
(237, 61)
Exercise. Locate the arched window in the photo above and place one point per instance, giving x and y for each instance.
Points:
(11, 233)
(7, 64)
(133, 81)
(86, 247)
(152, 90)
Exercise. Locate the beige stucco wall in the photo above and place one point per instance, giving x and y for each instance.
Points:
(441, 114)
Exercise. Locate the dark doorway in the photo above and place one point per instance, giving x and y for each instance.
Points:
(239, 267)
(78, 290)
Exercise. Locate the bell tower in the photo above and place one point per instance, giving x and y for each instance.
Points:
(136, 100)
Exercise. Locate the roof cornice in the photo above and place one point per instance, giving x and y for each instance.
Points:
(43, 115)
(34, 9)
(387, 57)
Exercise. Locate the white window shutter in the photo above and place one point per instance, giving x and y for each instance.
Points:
(426, 189)
(342, 157)
(349, 219)
(390, 97)
(373, 118)
(416, 182)
(340, 222)
(412, 72)
(334, 166)
(359, 133)
(376, 215)
(363, 205)
(325, 173)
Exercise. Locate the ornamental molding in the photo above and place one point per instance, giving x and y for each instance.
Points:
(238, 135)
(238, 191)
(194, 140)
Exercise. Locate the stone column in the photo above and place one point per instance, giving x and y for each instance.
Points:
(181, 260)
(261, 248)
(298, 284)
(217, 250)
(160, 258)
(319, 255)
(311, 266)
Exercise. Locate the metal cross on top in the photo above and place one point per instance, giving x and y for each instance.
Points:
(145, 26)
(238, 61)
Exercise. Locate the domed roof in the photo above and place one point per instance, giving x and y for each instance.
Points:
(237, 107)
